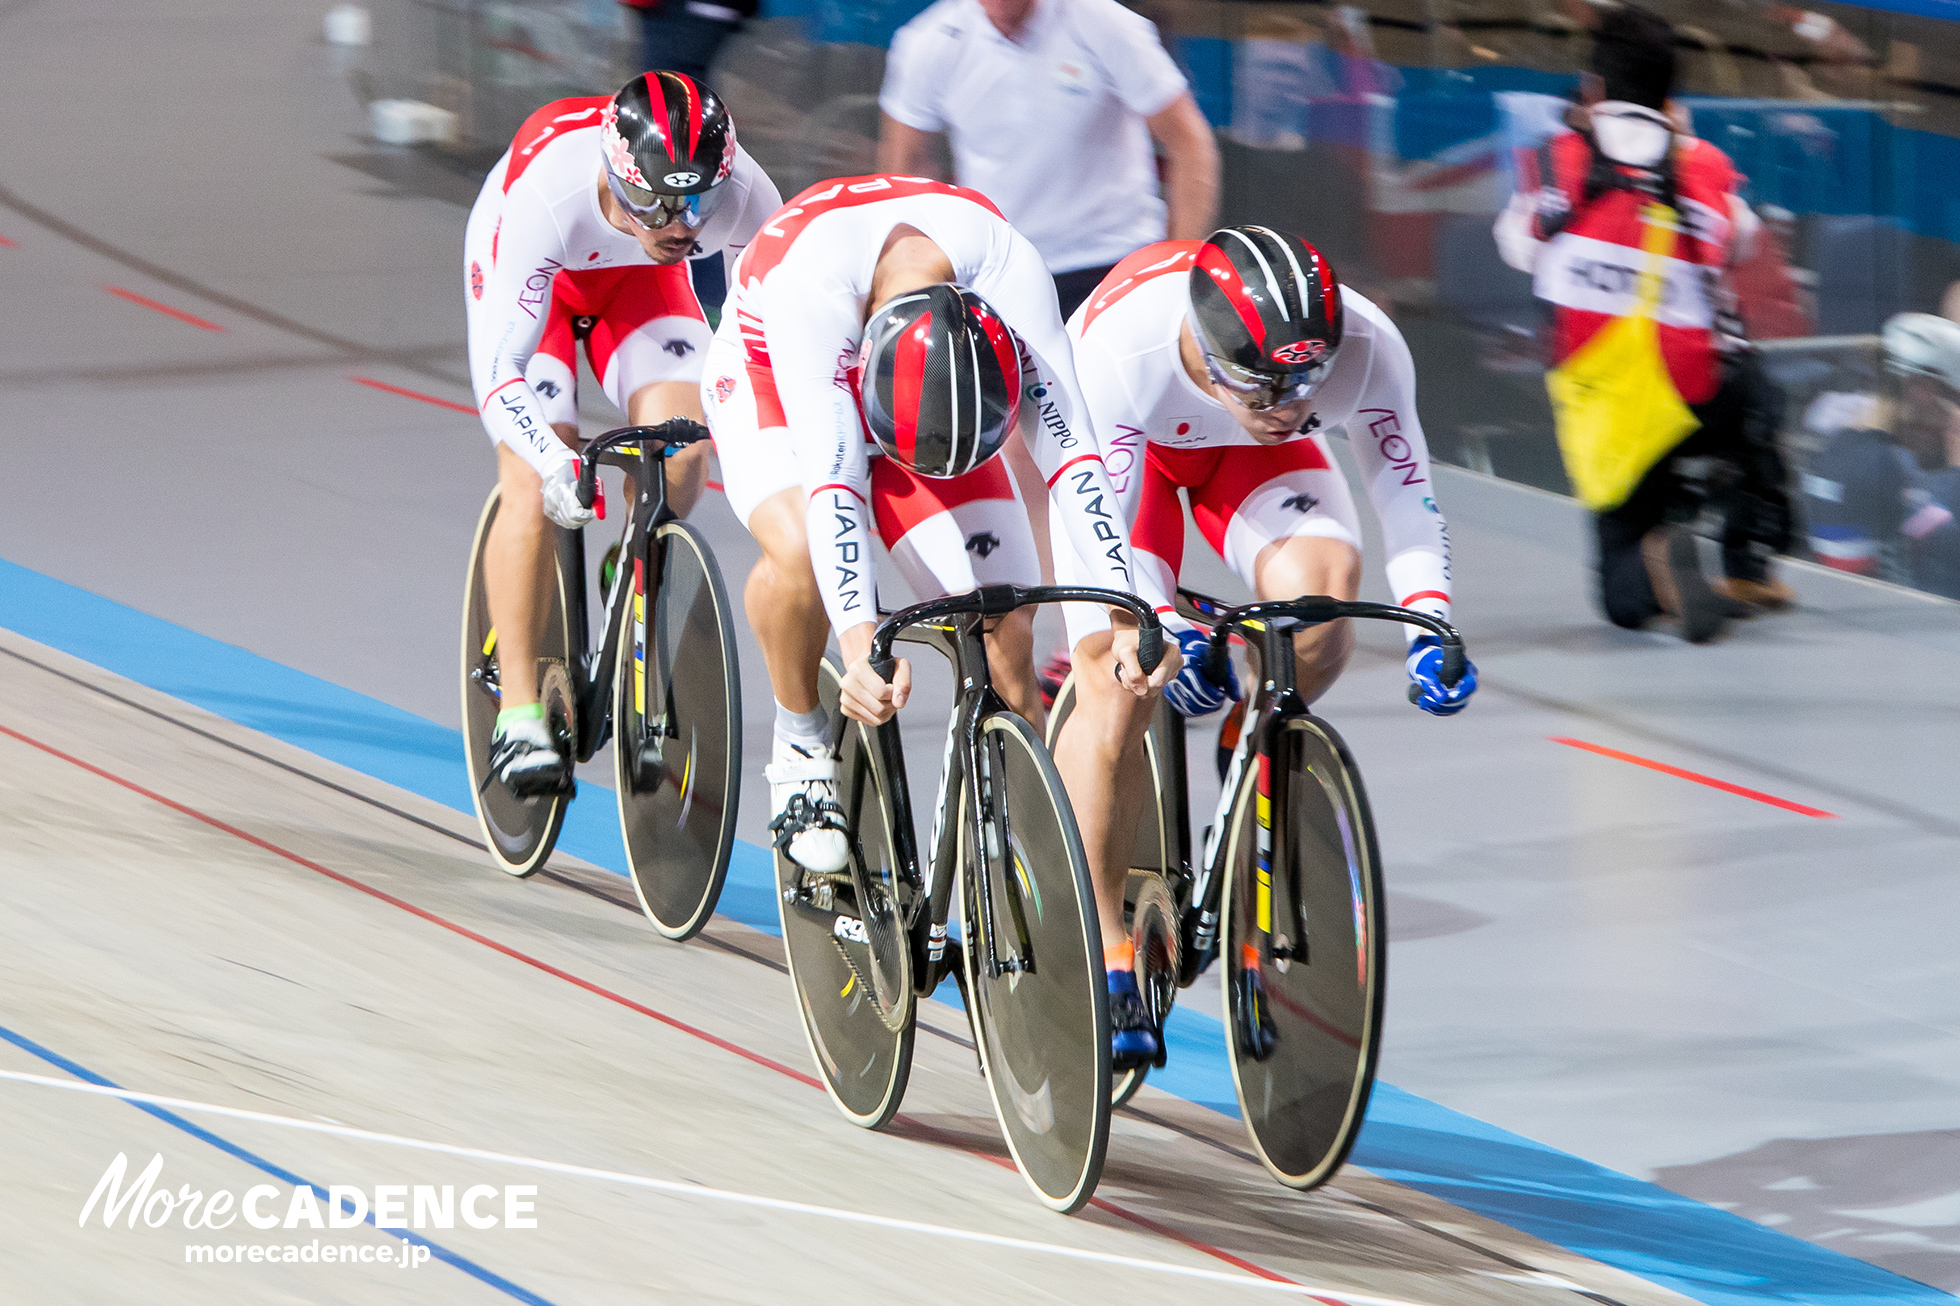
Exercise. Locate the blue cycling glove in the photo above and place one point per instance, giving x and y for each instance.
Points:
(1194, 693)
(1426, 689)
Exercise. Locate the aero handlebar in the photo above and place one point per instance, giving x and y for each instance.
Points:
(1316, 610)
(674, 431)
(999, 600)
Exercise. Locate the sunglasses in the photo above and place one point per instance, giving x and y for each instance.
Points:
(655, 211)
(1260, 392)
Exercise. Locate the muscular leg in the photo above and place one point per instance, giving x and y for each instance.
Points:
(785, 610)
(1311, 564)
(687, 471)
(1010, 663)
(517, 572)
(1101, 759)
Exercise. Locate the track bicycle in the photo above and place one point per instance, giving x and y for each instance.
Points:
(662, 677)
(1288, 889)
(866, 942)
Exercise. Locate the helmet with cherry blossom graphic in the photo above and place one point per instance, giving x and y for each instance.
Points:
(669, 144)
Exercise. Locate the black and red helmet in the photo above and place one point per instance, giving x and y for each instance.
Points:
(1266, 311)
(669, 144)
(939, 380)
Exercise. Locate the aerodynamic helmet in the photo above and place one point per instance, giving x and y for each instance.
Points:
(1266, 311)
(669, 144)
(939, 380)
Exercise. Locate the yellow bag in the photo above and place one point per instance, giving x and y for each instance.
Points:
(1615, 407)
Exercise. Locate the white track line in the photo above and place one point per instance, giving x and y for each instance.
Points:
(701, 1193)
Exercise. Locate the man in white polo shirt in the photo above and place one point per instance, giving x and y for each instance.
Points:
(1050, 106)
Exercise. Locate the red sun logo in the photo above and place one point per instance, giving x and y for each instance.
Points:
(476, 280)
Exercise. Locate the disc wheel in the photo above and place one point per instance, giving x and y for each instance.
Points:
(519, 832)
(844, 937)
(1043, 1019)
(678, 779)
(1156, 850)
(1306, 954)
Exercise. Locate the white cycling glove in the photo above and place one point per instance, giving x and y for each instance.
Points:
(561, 497)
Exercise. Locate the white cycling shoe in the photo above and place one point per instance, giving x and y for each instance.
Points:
(808, 823)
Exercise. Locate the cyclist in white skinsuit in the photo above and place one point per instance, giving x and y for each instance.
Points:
(1217, 367)
(581, 233)
(795, 387)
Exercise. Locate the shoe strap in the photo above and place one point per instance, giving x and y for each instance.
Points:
(802, 770)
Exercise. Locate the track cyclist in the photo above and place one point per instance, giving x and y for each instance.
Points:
(582, 232)
(884, 336)
(1228, 360)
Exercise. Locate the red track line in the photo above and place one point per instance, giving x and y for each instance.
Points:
(373, 384)
(1165, 1231)
(1103, 1204)
(7, 244)
(444, 403)
(945, 1139)
(164, 309)
(413, 910)
(1698, 778)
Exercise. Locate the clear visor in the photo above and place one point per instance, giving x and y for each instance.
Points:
(1263, 392)
(655, 211)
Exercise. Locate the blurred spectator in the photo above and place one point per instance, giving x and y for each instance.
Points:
(684, 35)
(1289, 87)
(1950, 302)
(1050, 106)
(1857, 491)
(1922, 364)
(1770, 291)
(1578, 228)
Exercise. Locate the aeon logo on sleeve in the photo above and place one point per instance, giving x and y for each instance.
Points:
(1394, 447)
(537, 286)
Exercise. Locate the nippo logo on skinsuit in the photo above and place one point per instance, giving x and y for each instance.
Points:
(476, 279)
(1301, 351)
(724, 387)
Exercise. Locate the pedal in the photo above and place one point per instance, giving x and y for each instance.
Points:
(649, 769)
(800, 814)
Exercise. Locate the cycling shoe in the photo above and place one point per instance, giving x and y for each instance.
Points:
(1258, 1036)
(1132, 1035)
(529, 767)
(808, 823)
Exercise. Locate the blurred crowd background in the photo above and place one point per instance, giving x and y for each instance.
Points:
(1390, 134)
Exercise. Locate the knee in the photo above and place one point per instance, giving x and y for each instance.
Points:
(1326, 649)
(1015, 631)
(784, 579)
(1114, 719)
(517, 480)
